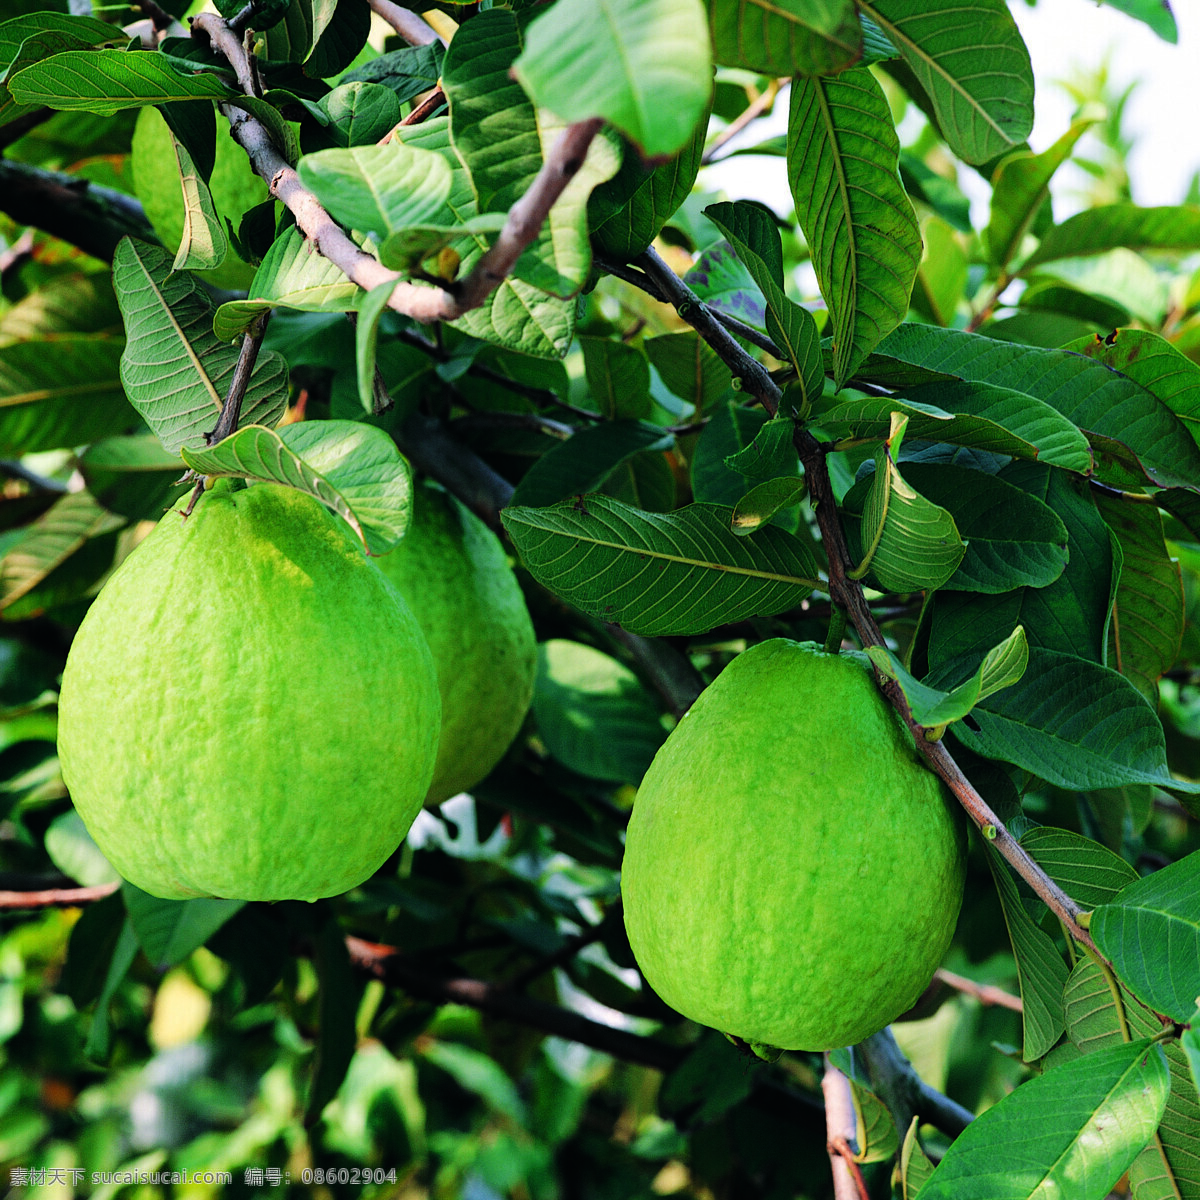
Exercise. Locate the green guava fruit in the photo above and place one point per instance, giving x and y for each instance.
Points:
(249, 709)
(452, 570)
(233, 183)
(792, 873)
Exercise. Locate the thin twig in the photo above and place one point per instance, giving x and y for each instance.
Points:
(412, 28)
(159, 15)
(56, 897)
(426, 108)
(231, 410)
(841, 1135)
(985, 993)
(761, 103)
(533, 422)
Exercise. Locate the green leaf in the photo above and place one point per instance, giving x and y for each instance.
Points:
(379, 189)
(1156, 14)
(689, 366)
(203, 244)
(169, 930)
(1075, 724)
(1094, 398)
(406, 72)
(338, 995)
(1041, 971)
(63, 390)
(772, 452)
(908, 542)
(175, 371)
(1146, 631)
(977, 415)
(132, 476)
(724, 283)
(1013, 539)
(99, 1040)
(105, 81)
(1070, 615)
(643, 65)
(289, 276)
(1108, 226)
(355, 470)
(876, 1131)
(785, 37)
(942, 277)
(1118, 278)
(1151, 935)
(972, 64)
(915, 1167)
(1072, 1131)
(761, 503)
(618, 377)
(731, 429)
(586, 459)
(1020, 187)
(1002, 666)
(62, 531)
(593, 714)
(476, 1072)
(752, 232)
(359, 114)
(366, 332)
(1089, 873)
(627, 212)
(859, 224)
(660, 573)
(71, 849)
(1151, 361)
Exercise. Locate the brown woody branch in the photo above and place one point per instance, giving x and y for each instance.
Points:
(986, 993)
(841, 1133)
(67, 897)
(411, 27)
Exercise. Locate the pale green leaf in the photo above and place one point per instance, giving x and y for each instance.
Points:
(203, 244)
(175, 370)
(643, 65)
(366, 334)
(762, 502)
(1104, 228)
(660, 573)
(859, 224)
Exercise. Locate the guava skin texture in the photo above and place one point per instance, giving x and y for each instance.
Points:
(792, 873)
(249, 709)
(452, 570)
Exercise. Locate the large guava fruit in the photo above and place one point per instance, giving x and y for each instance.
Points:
(792, 873)
(249, 709)
(234, 185)
(452, 570)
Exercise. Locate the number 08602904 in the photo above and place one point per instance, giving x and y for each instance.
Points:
(348, 1175)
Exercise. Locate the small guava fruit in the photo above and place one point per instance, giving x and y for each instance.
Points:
(249, 709)
(452, 570)
(792, 873)
(235, 188)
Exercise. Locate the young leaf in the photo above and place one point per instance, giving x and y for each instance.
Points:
(105, 81)
(203, 244)
(169, 930)
(660, 573)
(1146, 631)
(976, 415)
(1096, 230)
(1040, 968)
(761, 503)
(1075, 724)
(1151, 935)
(973, 65)
(366, 333)
(785, 37)
(755, 237)
(63, 390)
(1073, 1131)
(355, 470)
(859, 224)
(593, 714)
(643, 65)
(908, 542)
(915, 1168)
(586, 459)
(1002, 666)
(175, 371)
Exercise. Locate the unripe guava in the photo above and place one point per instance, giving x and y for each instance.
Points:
(234, 185)
(249, 709)
(792, 873)
(452, 570)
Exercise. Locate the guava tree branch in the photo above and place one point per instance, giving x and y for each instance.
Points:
(412, 28)
(89, 216)
(421, 302)
(904, 1092)
(231, 410)
(64, 897)
(841, 1133)
(848, 593)
(986, 993)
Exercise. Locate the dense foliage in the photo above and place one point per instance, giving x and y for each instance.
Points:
(308, 242)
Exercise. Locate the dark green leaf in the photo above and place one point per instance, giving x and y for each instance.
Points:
(618, 377)
(1151, 935)
(338, 995)
(730, 431)
(169, 930)
(1097, 230)
(406, 72)
(660, 573)
(689, 366)
(785, 37)
(762, 502)
(857, 220)
(771, 454)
